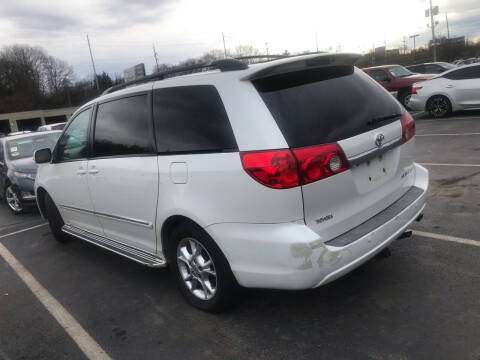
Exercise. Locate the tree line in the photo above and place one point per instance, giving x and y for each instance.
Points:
(31, 79)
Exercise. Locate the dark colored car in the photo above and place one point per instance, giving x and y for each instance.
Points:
(18, 169)
(397, 78)
(431, 68)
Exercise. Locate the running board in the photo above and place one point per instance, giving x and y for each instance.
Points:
(129, 252)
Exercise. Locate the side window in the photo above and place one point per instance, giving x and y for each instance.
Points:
(379, 75)
(191, 119)
(73, 144)
(472, 72)
(433, 69)
(123, 127)
(416, 68)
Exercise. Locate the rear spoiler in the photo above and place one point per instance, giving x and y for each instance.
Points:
(293, 64)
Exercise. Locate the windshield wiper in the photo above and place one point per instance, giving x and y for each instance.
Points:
(376, 120)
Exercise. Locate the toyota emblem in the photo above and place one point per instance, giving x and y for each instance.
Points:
(379, 140)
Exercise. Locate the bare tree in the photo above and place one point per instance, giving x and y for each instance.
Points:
(57, 73)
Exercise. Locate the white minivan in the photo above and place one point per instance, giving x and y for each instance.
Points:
(285, 174)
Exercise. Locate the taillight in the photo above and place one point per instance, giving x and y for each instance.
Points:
(415, 89)
(283, 169)
(320, 161)
(273, 168)
(408, 126)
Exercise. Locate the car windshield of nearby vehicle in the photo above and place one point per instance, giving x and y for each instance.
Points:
(399, 71)
(447, 66)
(25, 147)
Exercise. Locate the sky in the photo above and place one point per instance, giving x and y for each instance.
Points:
(123, 32)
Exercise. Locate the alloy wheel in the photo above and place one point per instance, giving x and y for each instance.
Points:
(12, 200)
(196, 268)
(438, 106)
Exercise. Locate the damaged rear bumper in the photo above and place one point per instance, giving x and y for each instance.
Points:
(292, 256)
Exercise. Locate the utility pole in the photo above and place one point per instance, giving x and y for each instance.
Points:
(448, 27)
(93, 64)
(414, 49)
(266, 45)
(404, 45)
(155, 56)
(316, 40)
(224, 47)
(432, 25)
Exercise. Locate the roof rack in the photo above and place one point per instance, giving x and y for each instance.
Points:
(222, 65)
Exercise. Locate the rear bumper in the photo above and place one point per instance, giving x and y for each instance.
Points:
(417, 103)
(292, 256)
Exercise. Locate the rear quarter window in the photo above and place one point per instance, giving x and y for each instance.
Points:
(191, 119)
(328, 104)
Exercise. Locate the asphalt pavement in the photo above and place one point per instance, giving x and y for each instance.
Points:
(422, 302)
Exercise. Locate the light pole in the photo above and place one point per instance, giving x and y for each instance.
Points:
(414, 49)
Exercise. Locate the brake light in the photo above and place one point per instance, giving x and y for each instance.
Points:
(285, 168)
(273, 168)
(320, 161)
(408, 126)
(415, 89)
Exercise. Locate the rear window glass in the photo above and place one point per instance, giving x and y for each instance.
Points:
(323, 105)
(25, 147)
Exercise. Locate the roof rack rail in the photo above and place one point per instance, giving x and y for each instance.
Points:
(223, 65)
(276, 57)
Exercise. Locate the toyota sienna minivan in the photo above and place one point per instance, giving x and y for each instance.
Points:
(285, 174)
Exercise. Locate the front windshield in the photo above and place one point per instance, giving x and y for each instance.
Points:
(447, 65)
(25, 147)
(399, 71)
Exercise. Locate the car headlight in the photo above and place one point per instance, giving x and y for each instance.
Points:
(25, 175)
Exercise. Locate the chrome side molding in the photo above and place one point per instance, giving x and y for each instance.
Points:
(129, 252)
(370, 154)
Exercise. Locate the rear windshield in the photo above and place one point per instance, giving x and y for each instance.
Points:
(25, 147)
(328, 104)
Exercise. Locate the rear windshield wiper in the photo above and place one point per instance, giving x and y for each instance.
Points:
(376, 120)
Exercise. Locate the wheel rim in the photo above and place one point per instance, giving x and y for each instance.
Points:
(196, 268)
(12, 200)
(438, 106)
(406, 100)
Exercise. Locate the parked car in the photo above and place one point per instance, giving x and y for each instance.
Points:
(431, 68)
(50, 127)
(249, 176)
(468, 61)
(456, 89)
(396, 78)
(18, 169)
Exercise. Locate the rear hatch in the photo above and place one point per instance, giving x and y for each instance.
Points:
(341, 104)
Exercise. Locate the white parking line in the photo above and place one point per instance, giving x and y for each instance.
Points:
(460, 165)
(461, 134)
(78, 334)
(23, 230)
(447, 238)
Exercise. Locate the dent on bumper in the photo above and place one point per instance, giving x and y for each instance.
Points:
(292, 256)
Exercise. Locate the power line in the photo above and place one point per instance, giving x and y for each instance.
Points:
(93, 64)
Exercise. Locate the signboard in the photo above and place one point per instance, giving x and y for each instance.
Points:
(435, 11)
(134, 73)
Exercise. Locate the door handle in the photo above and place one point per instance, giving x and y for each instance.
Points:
(449, 86)
(81, 171)
(93, 171)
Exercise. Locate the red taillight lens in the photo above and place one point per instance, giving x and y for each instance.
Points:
(415, 89)
(320, 161)
(408, 126)
(274, 168)
(283, 169)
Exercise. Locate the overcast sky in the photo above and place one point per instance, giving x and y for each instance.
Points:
(122, 32)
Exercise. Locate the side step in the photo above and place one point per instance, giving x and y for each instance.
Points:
(134, 254)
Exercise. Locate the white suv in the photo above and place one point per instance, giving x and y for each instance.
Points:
(285, 174)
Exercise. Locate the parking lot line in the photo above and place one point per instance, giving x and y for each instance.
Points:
(85, 342)
(460, 134)
(460, 165)
(447, 238)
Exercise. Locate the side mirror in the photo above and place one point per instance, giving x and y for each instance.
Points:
(42, 156)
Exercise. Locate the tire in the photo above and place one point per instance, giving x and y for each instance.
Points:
(211, 288)
(13, 200)
(55, 220)
(404, 98)
(439, 106)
